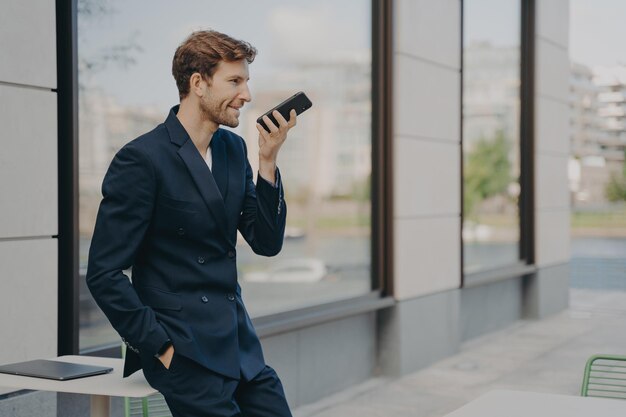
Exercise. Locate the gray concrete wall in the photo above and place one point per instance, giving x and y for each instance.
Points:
(552, 211)
(417, 332)
(320, 360)
(426, 168)
(432, 316)
(28, 184)
(547, 291)
(29, 403)
(490, 307)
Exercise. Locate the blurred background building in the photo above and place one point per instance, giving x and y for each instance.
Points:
(598, 111)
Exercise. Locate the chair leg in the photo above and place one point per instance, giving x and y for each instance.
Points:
(144, 406)
(585, 386)
(126, 407)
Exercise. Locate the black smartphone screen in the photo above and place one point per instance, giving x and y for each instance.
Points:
(298, 102)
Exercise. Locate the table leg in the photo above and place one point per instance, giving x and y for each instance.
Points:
(100, 406)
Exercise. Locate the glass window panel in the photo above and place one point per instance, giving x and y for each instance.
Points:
(491, 126)
(322, 48)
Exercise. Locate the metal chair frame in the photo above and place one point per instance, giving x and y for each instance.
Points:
(604, 378)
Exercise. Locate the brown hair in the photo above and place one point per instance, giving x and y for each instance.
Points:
(202, 51)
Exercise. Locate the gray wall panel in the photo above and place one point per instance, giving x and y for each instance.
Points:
(28, 47)
(426, 100)
(281, 353)
(418, 22)
(547, 292)
(551, 185)
(28, 162)
(490, 307)
(29, 404)
(28, 309)
(320, 360)
(335, 355)
(552, 237)
(420, 191)
(417, 332)
(552, 129)
(552, 21)
(427, 256)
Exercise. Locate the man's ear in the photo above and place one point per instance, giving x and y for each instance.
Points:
(195, 84)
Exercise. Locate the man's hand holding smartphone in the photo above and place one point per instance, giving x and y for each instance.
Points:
(270, 142)
(273, 127)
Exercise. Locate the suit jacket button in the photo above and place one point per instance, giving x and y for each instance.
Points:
(231, 297)
(204, 299)
(231, 254)
(181, 231)
(200, 260)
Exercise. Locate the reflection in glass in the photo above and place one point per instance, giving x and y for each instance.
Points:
(491, 158)
(126, 89)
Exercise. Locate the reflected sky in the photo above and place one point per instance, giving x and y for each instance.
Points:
(596, 28)
(481, 26)
(285, 33)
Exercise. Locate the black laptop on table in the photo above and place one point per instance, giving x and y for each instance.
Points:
(48, 369)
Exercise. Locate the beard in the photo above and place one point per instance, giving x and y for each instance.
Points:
(211, 110)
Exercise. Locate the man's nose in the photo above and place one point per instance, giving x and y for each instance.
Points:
(245, 93)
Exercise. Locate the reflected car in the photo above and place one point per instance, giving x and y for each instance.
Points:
(291, 270)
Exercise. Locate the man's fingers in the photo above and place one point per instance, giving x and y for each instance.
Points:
(280, 118)
(292, 118)
(262, 131)
(270, 125)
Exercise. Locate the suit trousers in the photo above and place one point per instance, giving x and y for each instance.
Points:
(191, 390)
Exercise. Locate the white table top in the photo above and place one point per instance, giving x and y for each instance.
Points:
(507, 403)
(111, 384)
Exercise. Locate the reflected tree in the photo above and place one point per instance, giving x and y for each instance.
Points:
(487, 171)
(91, 61)
(616, 187)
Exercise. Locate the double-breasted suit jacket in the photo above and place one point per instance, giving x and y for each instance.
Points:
(175, 221)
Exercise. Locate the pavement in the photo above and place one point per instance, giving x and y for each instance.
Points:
(545, 355)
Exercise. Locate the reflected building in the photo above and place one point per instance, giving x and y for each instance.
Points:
(104, 127)
(612, 111)
(491, 85)
(330, 155)
(491, 110)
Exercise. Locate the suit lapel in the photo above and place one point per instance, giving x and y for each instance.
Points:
(220, 163)
(205, 183)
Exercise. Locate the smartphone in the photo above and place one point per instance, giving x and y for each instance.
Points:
(298, 102)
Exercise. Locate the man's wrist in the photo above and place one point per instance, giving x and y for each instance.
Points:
(267, 162)
(267, 170)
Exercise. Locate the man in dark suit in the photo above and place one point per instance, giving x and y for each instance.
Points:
(173, 200)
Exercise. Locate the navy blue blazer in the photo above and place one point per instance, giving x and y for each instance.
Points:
(162, 213)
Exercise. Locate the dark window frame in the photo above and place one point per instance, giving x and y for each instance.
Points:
(67, 139)
(381, 191)
(526, 254)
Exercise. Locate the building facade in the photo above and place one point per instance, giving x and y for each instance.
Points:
(405, 298)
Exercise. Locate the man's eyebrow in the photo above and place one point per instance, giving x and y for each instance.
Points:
(238, 77)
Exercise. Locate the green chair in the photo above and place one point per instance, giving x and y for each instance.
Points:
(605, 376)
(152, 406)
